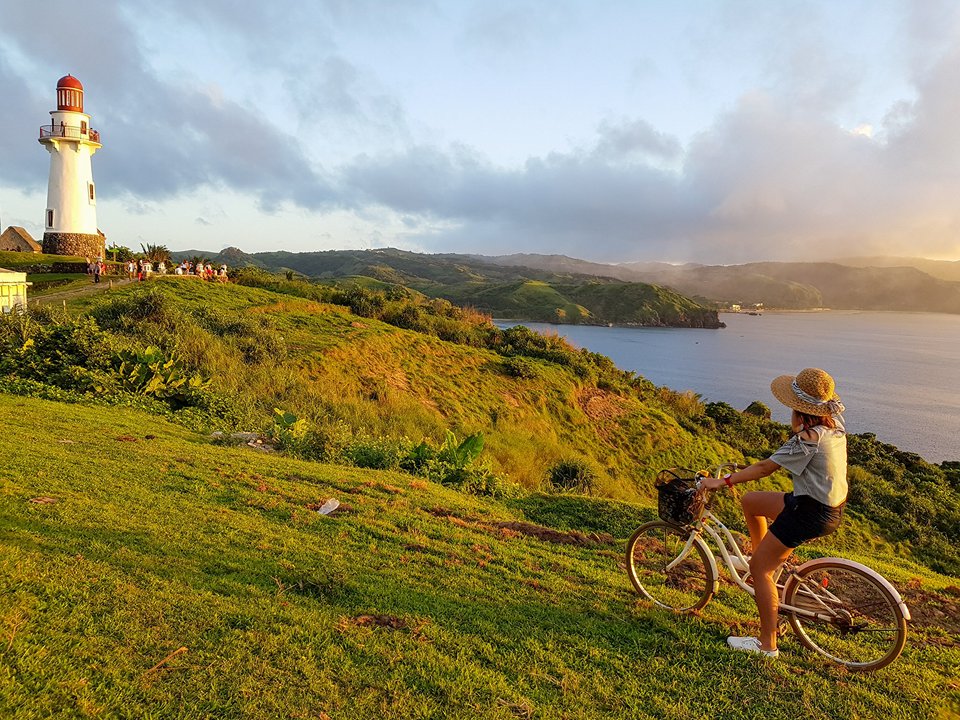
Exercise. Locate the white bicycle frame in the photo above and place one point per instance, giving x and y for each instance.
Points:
(726, 543)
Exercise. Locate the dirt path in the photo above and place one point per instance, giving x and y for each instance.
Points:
(92, 288)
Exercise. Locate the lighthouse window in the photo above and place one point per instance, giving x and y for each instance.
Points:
(49, 218)
(90, 192)
(83, 130)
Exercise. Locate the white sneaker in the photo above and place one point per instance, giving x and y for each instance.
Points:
(752, 645)
(740, 565)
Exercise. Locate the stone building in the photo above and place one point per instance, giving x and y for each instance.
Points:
(16, 239)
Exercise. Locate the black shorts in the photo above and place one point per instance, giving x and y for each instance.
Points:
(804, 518)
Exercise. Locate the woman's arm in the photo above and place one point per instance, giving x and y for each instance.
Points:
(752, 472)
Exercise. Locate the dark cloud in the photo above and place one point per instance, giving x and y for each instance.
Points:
(163, 137)
(23, 163)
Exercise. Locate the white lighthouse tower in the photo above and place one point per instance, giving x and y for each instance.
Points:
(70, 222)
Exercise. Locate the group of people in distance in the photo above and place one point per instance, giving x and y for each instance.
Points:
(142, 269)
(95, 269)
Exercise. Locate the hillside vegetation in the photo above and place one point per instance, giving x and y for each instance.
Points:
(489, 478)
(902, 284)
(497, 284)
(513, 292)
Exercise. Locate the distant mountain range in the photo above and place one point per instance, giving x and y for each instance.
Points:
(498, 283)
(505, 291)
(905, 284)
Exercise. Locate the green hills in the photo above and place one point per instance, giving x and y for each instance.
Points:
(487, 479)
(904, 284)
(513, 285)
(505, 291)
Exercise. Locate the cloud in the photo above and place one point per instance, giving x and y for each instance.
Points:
(163, 137)
(774, 175)
(637, 137)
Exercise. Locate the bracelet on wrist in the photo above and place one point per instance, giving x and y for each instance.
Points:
(727, 480)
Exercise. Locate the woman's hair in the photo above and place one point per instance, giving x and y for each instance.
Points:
(811, 421)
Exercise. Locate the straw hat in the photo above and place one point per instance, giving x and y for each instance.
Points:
(811, 391)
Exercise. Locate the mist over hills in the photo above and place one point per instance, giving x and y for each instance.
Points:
(866, 283)
(904, 284)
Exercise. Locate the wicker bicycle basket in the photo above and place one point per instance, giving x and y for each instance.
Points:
(679, 501)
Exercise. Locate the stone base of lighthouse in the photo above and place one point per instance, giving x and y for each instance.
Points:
(79, 244)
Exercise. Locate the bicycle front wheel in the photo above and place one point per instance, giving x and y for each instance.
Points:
(668, 571)
(859, 623)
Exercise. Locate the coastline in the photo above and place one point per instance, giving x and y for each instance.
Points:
(914, 357)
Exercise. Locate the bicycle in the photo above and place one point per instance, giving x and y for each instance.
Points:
(838, 608)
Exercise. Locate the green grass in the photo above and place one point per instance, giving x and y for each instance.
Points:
(158, 540)
(12, 259)
(383, 380)
(47, 283)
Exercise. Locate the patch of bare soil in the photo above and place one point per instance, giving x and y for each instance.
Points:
(600, 405)
(389, 622)
(933, 610)
(385, 621)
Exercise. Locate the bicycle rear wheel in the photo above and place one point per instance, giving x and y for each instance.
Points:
(860, 624)
(685, 587)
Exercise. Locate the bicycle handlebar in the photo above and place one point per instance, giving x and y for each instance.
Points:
(718, 471)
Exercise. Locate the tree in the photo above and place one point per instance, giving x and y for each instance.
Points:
(119, 253)
(155, 253)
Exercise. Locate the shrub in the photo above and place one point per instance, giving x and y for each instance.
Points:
(375, 453)
(759, 410)
(572, 476)
(520, 367)
(151, 372)
(128, 312)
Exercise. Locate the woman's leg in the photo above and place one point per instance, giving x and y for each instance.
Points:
(757, 507)
(767, 557)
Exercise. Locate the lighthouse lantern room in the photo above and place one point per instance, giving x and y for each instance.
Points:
(70, 222)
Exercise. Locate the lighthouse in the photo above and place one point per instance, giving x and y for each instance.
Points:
(70, 222)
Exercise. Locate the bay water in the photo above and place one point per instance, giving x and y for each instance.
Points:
(897, 373)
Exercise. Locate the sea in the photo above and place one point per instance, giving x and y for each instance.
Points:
(898, 374)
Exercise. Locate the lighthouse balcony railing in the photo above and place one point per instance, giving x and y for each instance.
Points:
(68, 131)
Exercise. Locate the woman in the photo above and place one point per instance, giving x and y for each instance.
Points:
(816, 456)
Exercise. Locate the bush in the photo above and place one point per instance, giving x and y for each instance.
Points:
(759, 410)
(128, 312)
(520, 367)
(151, 372)
(375, 453)
(572, 476)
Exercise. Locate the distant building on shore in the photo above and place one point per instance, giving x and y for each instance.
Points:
(17, 239)
(70, 221)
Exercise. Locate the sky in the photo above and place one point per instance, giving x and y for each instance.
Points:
(715, 131)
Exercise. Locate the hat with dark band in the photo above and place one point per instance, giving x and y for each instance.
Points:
(812, 391)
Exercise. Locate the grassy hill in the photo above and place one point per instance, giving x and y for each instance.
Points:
(445, 587)
(148, 573)
(508, 291)
(345, 373)
(855, 284)
(496, 284)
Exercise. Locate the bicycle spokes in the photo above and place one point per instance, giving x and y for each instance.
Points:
(846, 615)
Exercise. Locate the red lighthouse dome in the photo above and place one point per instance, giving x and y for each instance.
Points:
(69, 94)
